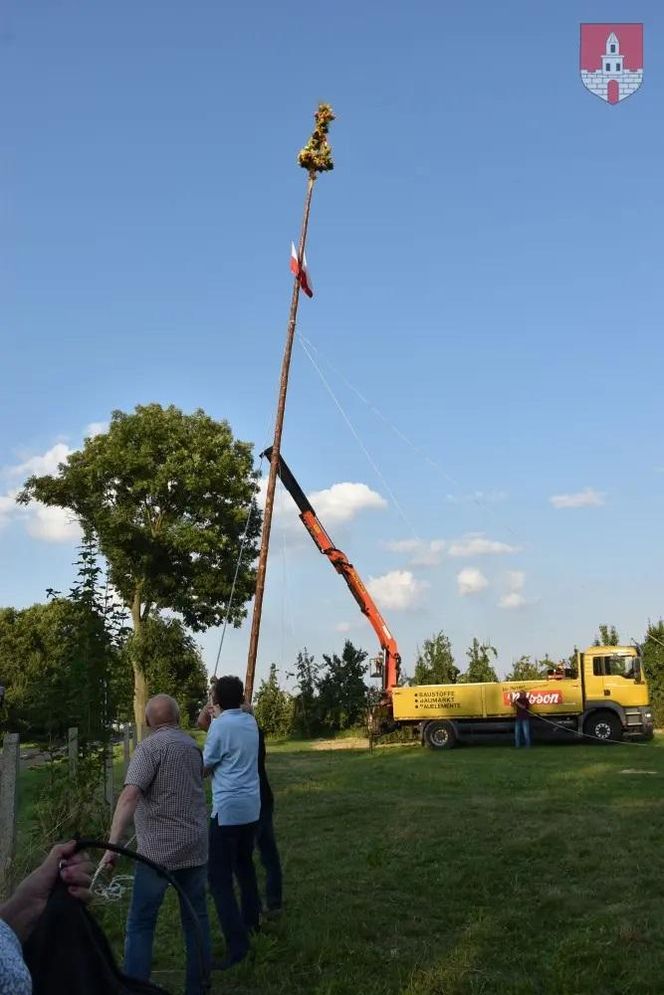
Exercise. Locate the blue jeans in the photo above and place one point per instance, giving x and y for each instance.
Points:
(148, 894)
(231, 856)
(522, 731)
(269, 854)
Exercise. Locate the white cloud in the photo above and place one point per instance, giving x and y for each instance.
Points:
(95, 428)
(7, 507)
(477, 544)
(514, 597)
(512, 600)
(471, 581)
(342, 627)
(41, 522)
(421, 553)
(398, 590)
(335, 505)
(39, 466)
(342, 502)
(587, 498)
(477, 497)
(52, 524)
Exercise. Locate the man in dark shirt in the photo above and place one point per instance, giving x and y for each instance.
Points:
(265, 839)
(522, 723)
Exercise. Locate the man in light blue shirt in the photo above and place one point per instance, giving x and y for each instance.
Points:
(230, 755)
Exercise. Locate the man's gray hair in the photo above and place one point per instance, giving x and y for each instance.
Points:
(162, 710)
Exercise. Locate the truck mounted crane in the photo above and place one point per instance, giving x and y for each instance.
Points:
(604, 697)
(388, 664)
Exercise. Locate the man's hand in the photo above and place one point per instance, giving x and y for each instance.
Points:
(28, 902)
(110, 858)
(205, 718)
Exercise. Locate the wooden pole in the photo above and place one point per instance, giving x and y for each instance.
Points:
(274, 460)
(126, 749)
(8, 809)
(109, 793)
(72, 750)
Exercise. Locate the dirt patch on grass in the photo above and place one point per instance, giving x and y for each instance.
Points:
(351, 743)
(356, 743)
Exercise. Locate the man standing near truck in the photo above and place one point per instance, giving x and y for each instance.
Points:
(522, 722)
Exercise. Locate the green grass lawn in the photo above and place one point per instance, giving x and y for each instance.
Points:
(482, 870)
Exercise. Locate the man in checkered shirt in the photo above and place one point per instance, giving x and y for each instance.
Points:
(164, 795)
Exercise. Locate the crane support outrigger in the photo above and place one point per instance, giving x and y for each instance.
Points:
(387, 666)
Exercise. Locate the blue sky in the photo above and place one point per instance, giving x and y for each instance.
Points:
(486, 258)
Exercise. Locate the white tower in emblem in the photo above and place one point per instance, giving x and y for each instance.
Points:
(613, 60)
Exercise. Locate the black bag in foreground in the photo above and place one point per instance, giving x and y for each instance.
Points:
(68, 953)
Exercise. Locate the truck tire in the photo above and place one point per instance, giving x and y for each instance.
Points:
(440, 735)
(604, 727)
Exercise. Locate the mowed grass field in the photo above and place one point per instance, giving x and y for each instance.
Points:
(482, 870)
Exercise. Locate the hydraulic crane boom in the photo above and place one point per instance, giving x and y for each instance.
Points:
(391, 661)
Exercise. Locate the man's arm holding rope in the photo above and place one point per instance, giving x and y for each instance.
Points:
(122, 819)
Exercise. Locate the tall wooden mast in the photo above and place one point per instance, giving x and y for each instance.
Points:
(315, 157)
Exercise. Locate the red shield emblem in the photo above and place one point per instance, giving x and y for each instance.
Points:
(612, 60)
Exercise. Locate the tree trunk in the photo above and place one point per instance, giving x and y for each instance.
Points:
(140, 683)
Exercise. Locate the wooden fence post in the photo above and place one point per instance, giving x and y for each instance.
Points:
(72, 750)
(109, 793)
(126, 748)
(8, 808)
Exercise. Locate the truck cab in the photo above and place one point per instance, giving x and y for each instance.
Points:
(615, 692)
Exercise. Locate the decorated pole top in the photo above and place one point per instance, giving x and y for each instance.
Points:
(316, 156)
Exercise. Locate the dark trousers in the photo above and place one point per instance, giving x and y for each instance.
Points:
(147, 896)
(269, 854)
(522, 731)
(231, 856)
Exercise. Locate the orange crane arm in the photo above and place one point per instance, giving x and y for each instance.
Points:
(391, 659)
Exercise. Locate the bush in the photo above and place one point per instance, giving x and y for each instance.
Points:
(274, 707)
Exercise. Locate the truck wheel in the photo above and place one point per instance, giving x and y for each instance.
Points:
(440, 735)
(604, 727)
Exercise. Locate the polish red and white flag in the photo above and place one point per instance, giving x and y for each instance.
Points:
(301, 271)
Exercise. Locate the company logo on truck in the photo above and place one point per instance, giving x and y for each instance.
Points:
(535, 697)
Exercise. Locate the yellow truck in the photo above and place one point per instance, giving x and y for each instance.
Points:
(605, 697)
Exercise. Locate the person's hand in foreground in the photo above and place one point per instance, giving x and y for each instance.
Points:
(25, 906)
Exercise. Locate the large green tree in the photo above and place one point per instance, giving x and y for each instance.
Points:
(480, 668)
(166, 496)
(342, 693)
(435, 662)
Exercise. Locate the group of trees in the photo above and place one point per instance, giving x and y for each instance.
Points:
(167, 501)
(435, 664)
(327, 697)
(67, 663)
